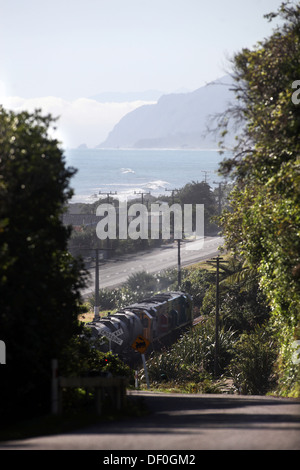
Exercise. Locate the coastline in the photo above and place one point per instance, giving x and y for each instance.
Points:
(126, 171)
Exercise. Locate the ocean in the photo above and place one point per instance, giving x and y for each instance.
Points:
(128, 171)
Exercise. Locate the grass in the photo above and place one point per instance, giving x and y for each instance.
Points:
(220, 386)
(207, 266)
(89, 316)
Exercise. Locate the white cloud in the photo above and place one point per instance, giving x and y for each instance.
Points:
(82, 121)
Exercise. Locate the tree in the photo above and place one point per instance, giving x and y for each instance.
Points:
(39, 280)
(263, 223)
(200, 193)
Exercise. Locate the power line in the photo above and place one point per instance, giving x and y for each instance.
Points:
(110, 193)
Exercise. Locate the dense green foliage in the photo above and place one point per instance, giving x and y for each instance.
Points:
(39, 280)
(196, 281)
(247, 350)
(191, 358)
(252, 364)
(262, 225)
(79, 359)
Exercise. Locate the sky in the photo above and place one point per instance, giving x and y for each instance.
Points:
(59, 54)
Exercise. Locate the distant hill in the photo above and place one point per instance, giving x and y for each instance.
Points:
(175, 121)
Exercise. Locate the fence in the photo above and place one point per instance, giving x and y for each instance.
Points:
(114, 387)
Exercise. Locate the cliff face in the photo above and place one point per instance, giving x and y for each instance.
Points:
(175, 121)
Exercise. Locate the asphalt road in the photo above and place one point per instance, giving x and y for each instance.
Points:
(115, 272)
(188, 422)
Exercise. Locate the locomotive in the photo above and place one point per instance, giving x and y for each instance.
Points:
(152, 318)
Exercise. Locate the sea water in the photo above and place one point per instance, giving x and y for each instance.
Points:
(129, 172)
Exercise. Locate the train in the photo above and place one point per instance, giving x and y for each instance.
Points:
(152, 319)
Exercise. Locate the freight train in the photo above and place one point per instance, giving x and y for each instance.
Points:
(153, 319)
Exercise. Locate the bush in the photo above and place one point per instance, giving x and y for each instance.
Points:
(196, 282)
(110, 299)
(244, 309)
(191, 356)
(141, 281)
(252, 365)
(81, 357)
(138, 286)
(197, 347)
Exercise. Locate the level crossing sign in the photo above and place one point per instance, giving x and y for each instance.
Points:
(114, 336)
(140, 344)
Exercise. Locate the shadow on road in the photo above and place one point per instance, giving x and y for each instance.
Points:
(177, 421)
(171, 412)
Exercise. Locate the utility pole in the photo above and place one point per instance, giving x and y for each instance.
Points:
(97, 303)
(96, 306)
(179, 265)
(110, 193)
(205, 171)
(178, 243)
(217, 263)
(220, 194)
(216, 361)
(142, 194)
(173, 191)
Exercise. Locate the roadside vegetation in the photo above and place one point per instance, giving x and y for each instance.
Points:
(247, 352)
(262, 224)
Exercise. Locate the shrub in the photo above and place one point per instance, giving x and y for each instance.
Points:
(196, 282)
(81, 357)
(191, 356)
(110, 299)
(252, 365)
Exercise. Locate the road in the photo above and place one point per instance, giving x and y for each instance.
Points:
(188, 422)
(115, 272)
